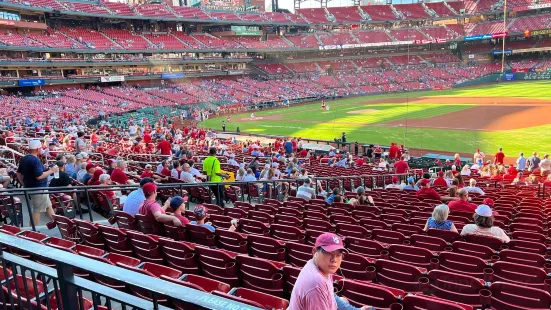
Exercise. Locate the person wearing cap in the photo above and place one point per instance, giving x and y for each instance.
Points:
(31, 174)
(147, 173)
(232, 161)
(463, 203)
(264, 173)
(484, 225)
(439, 219)
(313, 288)
(201, 213)
(426, 192)
(95, 178)
(440, 181)
(90, 168)
(136, 198)
(411, 184)
(151, 208)
(361, 198)
(211, 167)
(177, 205)
(395, 183)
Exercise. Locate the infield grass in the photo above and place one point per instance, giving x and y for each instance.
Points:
(365, 126)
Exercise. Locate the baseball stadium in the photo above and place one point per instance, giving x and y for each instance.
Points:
(301, 155)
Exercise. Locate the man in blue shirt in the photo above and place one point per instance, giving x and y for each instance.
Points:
(136, 198)
(31, 174)
(521, 162)
(288, 146)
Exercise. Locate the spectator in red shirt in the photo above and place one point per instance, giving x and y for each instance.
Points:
(393, 151)
(512, 171)
(164, 147)
(401, 166)
(425, 191)
(440, 181)
(147, 137)
(147, 173)
(499, 157)
(303, 153)
(463, 203)
(119, 175)
(360, 161)
(178, 206)
(151, 209)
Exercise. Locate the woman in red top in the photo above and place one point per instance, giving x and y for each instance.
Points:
(105, 179)
(95, 178)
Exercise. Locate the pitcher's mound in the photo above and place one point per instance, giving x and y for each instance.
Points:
(365, 111)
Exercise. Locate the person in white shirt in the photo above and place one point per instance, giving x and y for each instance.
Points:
(250, 176)
(395, 183)
(305, 191)
(194, 171)
(160, 167)
(545, 165)
(133, 130)
(264, 172)
(186, 175)
(466, 170)
(232, 161)
(175, 172)
(472, 188)
(240, 174)
(484, 225)
(275, 166)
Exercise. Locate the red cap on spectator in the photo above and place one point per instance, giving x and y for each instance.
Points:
(329, 242)
(488, 201)
(90, 166)
(441, 173)
(394, 179)
(424, 182)
(149, 188)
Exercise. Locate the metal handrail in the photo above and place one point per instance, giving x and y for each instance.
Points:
(69, 284)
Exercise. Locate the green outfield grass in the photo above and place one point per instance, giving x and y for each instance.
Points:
(309, 121)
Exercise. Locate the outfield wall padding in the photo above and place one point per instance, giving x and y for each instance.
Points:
(483, 80)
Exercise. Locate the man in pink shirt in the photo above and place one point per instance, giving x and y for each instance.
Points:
(314, 286)
(153, 210)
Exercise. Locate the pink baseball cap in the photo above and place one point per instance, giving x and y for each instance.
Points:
(330, 242)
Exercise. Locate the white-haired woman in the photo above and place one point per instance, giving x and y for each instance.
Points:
(466, 171)
(439, 219)
(240, 174)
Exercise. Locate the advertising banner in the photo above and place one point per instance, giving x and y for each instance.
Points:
(175, 75)
(506, 52)
(509, 77)
(114, 78)
(31, 82)
(521, 70)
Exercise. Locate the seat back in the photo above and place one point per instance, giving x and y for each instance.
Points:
(261, 275)
(179, 255)
(145, 247)
(456, 287)
(363, 293)
(116, 240)
(148, 225)
(219, 265)
(201, 235)
(267, 248)
(90, 234)
(126, 221)
(287, 233)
